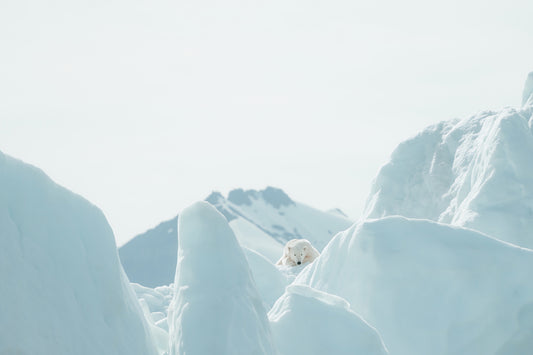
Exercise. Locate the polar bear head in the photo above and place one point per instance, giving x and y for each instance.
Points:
(299, 251)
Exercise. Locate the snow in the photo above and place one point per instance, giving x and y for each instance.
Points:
(454, 279)
(311, 322)
(216, 308)
(337, 212)
(430, 288)
(63, 289)
(150, 258)
(250, 236)
(156, 302)
(269, 280)
(261, 220)
(527, 96)
(475, 172)
(272, 211)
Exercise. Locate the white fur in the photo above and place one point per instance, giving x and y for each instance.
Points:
(298, 251)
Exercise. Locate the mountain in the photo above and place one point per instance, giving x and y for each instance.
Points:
(262, 221)
(63, 288)
(475, 172)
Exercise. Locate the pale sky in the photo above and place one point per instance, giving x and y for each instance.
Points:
(144, 107)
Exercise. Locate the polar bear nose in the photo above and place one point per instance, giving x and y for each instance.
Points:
(299, 262)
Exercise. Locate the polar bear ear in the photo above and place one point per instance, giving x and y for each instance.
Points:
(305, 248)
(287, 250)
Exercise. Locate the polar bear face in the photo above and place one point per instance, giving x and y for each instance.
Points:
(297, 252)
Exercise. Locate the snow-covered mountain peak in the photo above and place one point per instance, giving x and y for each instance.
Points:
(527, 96)
(241, 197)
(271, 195)
(276, 197)
(214, 197)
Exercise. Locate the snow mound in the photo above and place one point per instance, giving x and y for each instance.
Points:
(475, 172)
(291, 272)
(430, 288)
(307, 321)
(269, 280)
(155, 302)
(63, 289)
(216, 308)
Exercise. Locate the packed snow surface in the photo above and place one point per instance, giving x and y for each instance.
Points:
(63, 290)
(216, 308)
(252, 237)
(269, 280)
(430, 288)
(311, 322)
(475, 172)
(262, 221)
(155, 302)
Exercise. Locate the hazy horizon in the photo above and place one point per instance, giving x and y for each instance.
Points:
(144, 108)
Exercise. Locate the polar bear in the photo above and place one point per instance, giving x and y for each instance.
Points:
(298, 251)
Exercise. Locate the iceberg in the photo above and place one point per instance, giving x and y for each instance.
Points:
(430, 288)
(216, 308)
(311, 322)
(475, 172)
(63, 288)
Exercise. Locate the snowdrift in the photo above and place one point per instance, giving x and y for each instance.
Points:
(155, 302)
(63, 290)
(476, 172)
(307, 321)
(216, 308)
(269, 280)
(262, 221)
(430, 288)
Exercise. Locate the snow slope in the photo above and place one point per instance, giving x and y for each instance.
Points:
(269, 280)
(155, 302)
(252, 237)
(63, 290)
(216, 308)
(310, 322)
(275, 213)
(430, 288)
(261, 220)
(475, 172)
